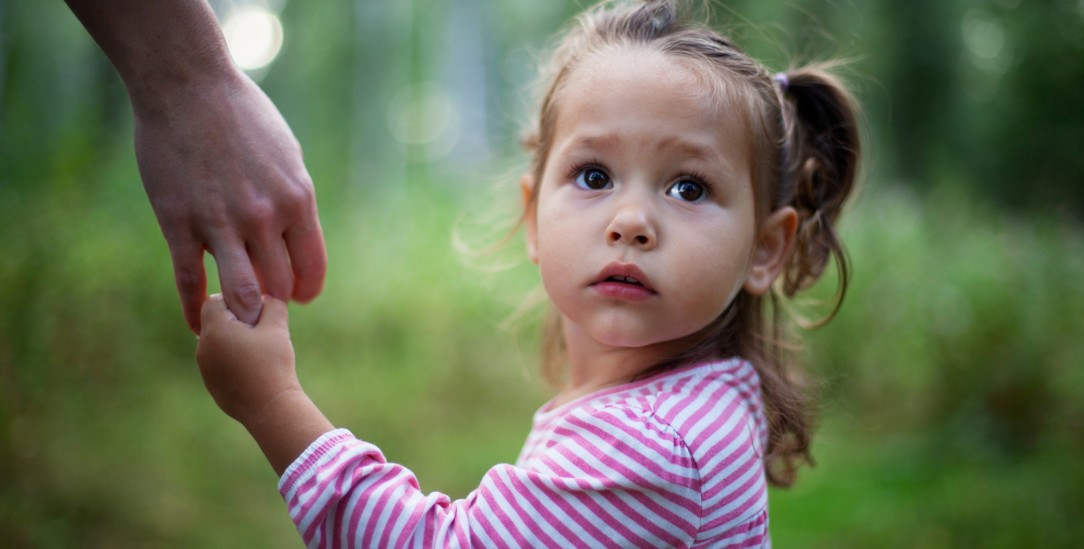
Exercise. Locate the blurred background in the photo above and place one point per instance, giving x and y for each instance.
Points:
(952, 382)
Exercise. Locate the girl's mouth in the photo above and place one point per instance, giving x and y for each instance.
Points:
(624, 273)
(623, 281)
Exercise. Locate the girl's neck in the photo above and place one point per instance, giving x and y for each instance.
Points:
(593, 366)
(602, 372)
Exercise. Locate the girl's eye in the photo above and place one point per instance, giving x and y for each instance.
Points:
(687, 190)
(593, 179)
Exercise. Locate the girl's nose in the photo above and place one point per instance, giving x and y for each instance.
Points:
(632, 226)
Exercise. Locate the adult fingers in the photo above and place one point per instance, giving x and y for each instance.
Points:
(240, 288)
(191, 279)
(308, 257)
(272, 266)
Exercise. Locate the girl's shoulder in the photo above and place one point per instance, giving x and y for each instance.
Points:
(702, 400)
(695, 401)
(702, 422)
(707, 382)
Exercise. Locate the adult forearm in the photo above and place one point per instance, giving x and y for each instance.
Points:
(158, 46)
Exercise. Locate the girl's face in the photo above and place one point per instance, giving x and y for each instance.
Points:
(644, 228)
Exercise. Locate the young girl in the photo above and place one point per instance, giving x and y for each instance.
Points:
(674, 179)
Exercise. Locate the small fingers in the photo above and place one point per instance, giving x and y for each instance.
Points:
(191, 279)
(308, 257)
(275, 312)
(214, 308)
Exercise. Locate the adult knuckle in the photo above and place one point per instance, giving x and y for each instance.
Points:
(246, 294)
(258, 214)
(294, 146)
(300, 192)
(217, 216)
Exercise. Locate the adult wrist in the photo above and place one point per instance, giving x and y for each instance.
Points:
(160, 48)
(160, 90)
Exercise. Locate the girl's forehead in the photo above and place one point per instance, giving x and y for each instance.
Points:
(631, 63)
(644, 81)
(695, 80)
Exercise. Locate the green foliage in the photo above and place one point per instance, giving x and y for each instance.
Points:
(952, 409)
(952, 386)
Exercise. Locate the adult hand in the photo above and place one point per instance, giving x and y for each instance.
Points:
(221, 167)
(225, 174)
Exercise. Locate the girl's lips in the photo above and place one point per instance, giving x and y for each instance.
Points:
(622, 290)
(623, 281)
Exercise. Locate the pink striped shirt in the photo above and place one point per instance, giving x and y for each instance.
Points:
(671, 461)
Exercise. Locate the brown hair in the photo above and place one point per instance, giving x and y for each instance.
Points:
(805, 145)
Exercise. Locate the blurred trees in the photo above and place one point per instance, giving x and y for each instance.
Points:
(980, 93)
(953, 381)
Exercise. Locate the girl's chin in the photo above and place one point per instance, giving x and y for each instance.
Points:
(624, 332)
(649, 340)
(625, 340)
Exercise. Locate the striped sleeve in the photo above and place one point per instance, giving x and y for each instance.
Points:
(616, 476)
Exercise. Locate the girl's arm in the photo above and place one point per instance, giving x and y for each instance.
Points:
(343, 493)
(616, 476)
(249, 370)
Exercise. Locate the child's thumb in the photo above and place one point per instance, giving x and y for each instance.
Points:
(214, 308)
(274, 312)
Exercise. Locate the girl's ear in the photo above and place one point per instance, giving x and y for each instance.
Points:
(772, 249)
(530, 206)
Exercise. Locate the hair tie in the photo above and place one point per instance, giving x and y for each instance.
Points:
(781, 79)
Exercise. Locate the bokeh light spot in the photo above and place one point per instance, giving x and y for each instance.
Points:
(424, 114)
(254, 36)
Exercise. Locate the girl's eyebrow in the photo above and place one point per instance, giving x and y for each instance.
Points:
(593, 142)
(702, 154)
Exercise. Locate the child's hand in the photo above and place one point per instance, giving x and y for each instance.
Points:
(245, 368)
(249, 370)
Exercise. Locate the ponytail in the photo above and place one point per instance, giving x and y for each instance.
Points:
(820, 163)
